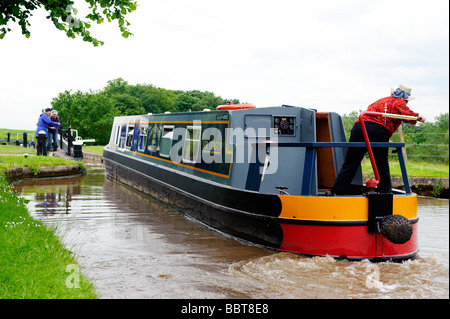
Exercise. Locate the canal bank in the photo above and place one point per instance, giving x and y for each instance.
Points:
(33, 261)
(18, 167)
(92, 158)
(425, 186)
(437, 187)
(15, 174)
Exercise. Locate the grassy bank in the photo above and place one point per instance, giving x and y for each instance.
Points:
(414, 169)
(97, 149)
(33, 261)
(33, 162)
(14, 134)
(13, 149)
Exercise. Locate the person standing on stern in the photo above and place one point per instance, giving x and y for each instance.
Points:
(379, 129)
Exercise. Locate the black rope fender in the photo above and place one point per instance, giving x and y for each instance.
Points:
(397, 229)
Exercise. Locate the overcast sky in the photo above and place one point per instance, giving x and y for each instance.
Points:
(329, 55)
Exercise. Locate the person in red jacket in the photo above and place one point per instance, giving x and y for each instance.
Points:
(379, 129)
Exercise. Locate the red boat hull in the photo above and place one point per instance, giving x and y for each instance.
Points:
(353, 242)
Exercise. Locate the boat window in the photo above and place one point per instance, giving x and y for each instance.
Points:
(166, 141)
(142, 138)
(117, 135)
(123, 135)
(113, 135)
(130, 132)
(154, 138)
(191, 144)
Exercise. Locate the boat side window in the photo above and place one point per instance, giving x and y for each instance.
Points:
(130, 132)
(142, 138)
(154, 138)
(166, 141)
(112, 139)
(117, 135)
(123, 135)
(192, 144)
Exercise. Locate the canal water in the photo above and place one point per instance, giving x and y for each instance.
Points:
(131, 246)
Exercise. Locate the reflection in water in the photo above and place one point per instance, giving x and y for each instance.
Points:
(131, 246)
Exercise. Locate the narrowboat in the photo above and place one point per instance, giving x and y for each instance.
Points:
(263, 175)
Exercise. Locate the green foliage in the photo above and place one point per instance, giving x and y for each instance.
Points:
(92, 113)
(429, 141)
(348, 120)
(63, 15)
(198, 101)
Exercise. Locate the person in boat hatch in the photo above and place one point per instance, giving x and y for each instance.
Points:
(379, 129)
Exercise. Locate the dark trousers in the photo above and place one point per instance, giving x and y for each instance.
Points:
(52, 140)
(376, 133)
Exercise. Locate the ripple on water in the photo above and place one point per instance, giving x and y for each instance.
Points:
(325, 277)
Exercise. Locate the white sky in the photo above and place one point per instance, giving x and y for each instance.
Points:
(330, 55)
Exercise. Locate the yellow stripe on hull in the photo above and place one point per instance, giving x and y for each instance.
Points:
(337, 208)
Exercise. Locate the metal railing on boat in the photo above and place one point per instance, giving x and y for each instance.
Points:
(311, 153)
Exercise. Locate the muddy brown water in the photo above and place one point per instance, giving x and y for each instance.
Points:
(131, 246)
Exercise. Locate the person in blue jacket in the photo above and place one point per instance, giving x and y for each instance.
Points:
(44, 121)
(53, 132)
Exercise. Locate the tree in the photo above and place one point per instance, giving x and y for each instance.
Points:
(154, 100)
(91, 113)
(63, 15)
(185, 102)
(116, 86)
(127, 104)
(348, 120)
(98, 119)
(197, 101)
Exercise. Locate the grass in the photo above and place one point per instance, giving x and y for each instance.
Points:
(414, 169)
(13, 149)
(34, 264)
(97, 149)
(33, 162)
(15, 133)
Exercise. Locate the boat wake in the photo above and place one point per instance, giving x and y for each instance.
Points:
(295, 276)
